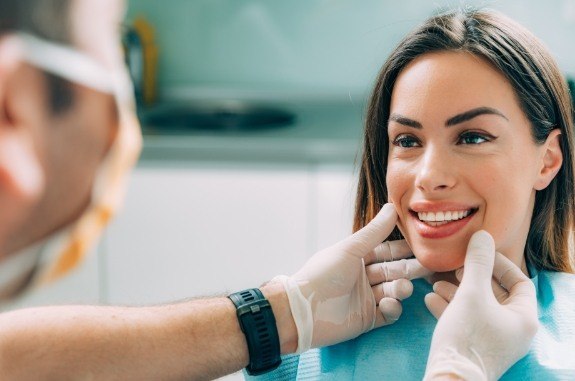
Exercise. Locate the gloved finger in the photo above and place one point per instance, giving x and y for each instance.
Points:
(389, 251)
(375, 232)
(459, 274)
(500, 293)
(445, 289)
(479, 262)
(506, 272)
(521, 289)
(389, 311)
(435, 304)
(402, 269)
(398, 289)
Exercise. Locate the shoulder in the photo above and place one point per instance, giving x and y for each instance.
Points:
(555, 287)
(556, 277)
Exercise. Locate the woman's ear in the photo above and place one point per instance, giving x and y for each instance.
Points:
(551, 161)
(21, 174)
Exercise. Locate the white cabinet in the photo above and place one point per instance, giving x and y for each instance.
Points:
(335, 188)
(202, 229)
(190, 230)
(80, 286)
(193, 230)
(196, 230)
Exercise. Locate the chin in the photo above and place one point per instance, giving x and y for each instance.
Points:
(439, 261)
(438, 255)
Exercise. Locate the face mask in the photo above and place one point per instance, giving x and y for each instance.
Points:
(64, 250)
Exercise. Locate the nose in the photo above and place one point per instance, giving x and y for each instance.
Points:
(436, 171)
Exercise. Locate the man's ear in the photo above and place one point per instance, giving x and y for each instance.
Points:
(551, 161)
(21, 174)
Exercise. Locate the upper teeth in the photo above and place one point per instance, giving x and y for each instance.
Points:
(442, 216)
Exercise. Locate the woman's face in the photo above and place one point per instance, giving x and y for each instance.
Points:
(461, 159)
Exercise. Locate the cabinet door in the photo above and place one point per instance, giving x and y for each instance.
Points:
(205, 230)
(335, 188)
(80, 286)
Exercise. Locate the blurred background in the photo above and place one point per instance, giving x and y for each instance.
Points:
(252, 116)
(318, 47)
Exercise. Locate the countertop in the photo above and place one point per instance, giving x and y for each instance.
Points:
(324, 131)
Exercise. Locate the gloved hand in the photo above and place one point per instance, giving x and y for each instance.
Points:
(388, 266)
(331, 298)
(484, 327)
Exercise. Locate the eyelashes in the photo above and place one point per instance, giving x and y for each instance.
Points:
(465, 138)
(472, 137)
(406, 141)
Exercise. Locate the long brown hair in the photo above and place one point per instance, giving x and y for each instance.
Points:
(542, 93)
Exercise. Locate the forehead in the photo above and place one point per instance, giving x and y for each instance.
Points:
(96, 28)
(446, 83)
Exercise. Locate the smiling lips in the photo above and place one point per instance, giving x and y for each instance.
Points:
(441, 224)
(440, 218)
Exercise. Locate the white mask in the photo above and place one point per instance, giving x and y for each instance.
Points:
(64, 250)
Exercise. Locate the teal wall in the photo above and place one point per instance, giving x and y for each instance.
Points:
(311, 46)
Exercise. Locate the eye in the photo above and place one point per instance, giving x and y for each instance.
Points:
(474, 138)
(406, 141)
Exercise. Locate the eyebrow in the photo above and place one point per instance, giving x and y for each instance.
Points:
(457, 119)
(468, 115)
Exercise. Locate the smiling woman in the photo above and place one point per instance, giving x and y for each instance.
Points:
(467, 152)
(476, 118)
(469, 128)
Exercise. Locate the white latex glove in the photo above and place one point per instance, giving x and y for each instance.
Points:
(389, 265)
(484, 326)
(331, 298)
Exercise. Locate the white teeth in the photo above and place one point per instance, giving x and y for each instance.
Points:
(443, 216)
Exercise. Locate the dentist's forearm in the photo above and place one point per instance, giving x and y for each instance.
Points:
(199, 339)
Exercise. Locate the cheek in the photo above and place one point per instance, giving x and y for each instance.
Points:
(396, 184)
(508, 214)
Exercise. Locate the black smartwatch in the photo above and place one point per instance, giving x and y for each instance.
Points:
(258, 323)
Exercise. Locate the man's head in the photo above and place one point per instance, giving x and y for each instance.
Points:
(53, 133)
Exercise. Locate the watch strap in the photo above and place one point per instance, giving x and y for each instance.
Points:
(258, 324)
